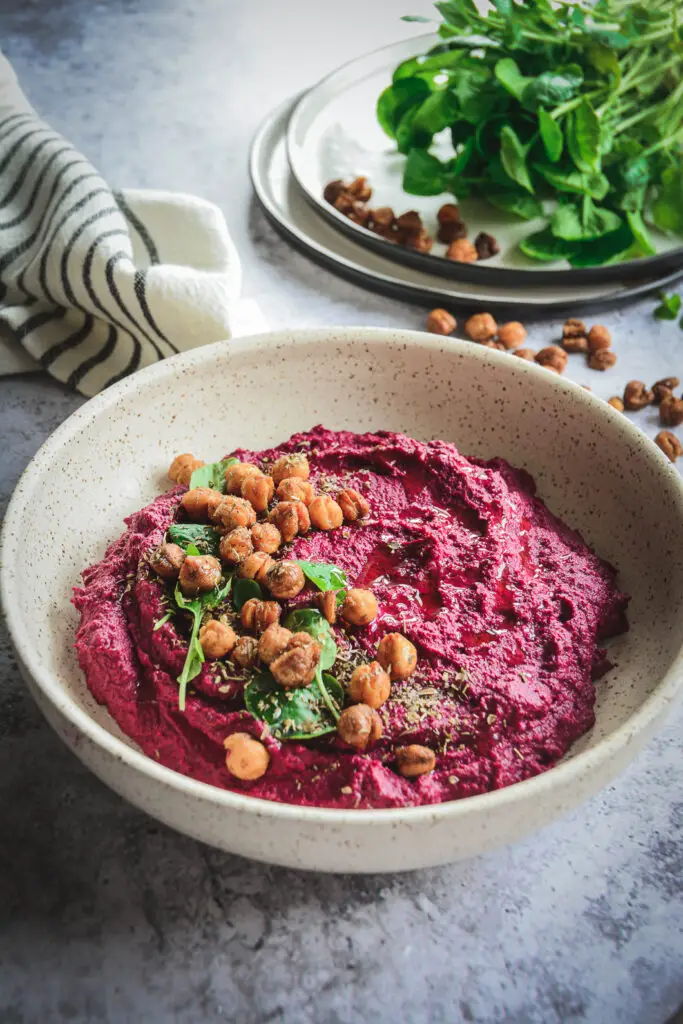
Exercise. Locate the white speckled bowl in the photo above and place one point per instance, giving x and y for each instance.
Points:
(592, 467)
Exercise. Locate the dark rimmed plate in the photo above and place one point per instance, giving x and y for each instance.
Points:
(333, 133)
(296, 220)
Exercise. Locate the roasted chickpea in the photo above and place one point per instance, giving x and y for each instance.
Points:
(369, 684)
(481, 327)
(669, 444)
(671, 410)
(236, 474)
(285, 580)
(266, 537)
(297, 664)
(217, 639)
(273, 642)
(598, 337)
(603, 359)
(200, 504)
(327, 602)
(637, 396)
(294, 489)
(183, 466)
(526, 353)
(414, 760)
(616, 403)
(167, 561)
(256, 566)
(259, 615)
(359, 726)
(325, 513)
(199, 574)
(245, 651)
(247, 759)
(512, 335)
(440, 321)
(663, 387)
(236, 546)
(353, 505)
(552, 357)
(397, 655)
(258, 489)
(233, 512)
(290, 518)
(290, 465)
(359, 607)
(462, 251)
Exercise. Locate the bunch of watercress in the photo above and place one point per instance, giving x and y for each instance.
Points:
(573, 102)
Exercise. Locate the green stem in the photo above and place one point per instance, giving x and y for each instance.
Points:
(325, 695)
(664, 143)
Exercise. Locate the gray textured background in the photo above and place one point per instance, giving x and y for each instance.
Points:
(107, 916)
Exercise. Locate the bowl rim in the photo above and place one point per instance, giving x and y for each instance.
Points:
(641, 721)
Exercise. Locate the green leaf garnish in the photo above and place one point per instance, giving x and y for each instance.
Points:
(204, 538)
(244, 590)
(296, 714)
(308, 620)
(324, 576)
(159, 623)
(195, 655)
(212, 475)
(669, 306)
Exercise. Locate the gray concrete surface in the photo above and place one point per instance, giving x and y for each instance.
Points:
(106, 915)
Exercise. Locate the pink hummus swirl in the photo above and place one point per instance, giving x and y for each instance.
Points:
(506, 605)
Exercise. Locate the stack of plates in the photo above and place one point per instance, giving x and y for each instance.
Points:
(331, 132)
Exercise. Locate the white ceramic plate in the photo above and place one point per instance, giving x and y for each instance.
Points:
(110, 459)
(295, 218)
(334, 133)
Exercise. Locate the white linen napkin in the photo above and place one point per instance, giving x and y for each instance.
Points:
(96, 283)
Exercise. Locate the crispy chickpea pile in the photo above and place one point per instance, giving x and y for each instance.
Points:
(352, 199)
(260, 512)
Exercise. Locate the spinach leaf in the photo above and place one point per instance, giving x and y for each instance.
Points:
(204, 538)
(436, 113)
(581, 225)
(212, 475)
(476, 101)
(325, 577)
(510, 77)
(583, 138)
(244, 590)
(641, 233)
(424, 174)
(513, 157)
(195, 655)
(459, 14)
(569, 180)
(517, 203)
(544, 246)
(551, 136)
(553, 87)
(308, 620)
(397, 99)
(609, 248)
(667, 209)
(296, 714)
(669, 306)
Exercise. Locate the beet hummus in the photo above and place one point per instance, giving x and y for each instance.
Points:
(499, 609)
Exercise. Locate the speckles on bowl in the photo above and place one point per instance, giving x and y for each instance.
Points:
(591, 465)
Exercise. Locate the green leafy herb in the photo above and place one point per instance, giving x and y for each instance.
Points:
(551, 136)
(547, 100)
(308, 620)
(212, 475)
(669, 306)
(204, 538)
(159, 623)
(513, 156)
(325, 577)
(244, 590)
(296, 714)
(195, 655)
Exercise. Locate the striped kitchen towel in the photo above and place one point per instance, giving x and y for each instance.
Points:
(96, 283)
